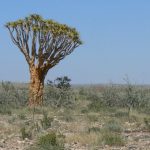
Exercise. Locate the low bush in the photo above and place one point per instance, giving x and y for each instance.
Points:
(84, 111)
(95, 105)
(111, 134)
(5, 110)
(46, 121)
(147, 123)
(13, 96)
(25, 133)
(49, 141)
(92, 117)
(121, 114)
(113, 139)
(58, 93)
(113, 126)
(22, 116)
(94, 129)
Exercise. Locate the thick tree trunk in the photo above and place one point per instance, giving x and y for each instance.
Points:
(36, 86)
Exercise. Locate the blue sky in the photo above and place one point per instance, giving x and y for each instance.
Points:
(116, 36)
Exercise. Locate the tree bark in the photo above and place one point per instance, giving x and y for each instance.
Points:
(36, 86)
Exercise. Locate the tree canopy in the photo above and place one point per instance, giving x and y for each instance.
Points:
(43, 42)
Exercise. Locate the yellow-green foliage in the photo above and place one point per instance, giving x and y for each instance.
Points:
(37, 24)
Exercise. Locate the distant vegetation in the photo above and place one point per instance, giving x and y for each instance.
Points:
(60, 93)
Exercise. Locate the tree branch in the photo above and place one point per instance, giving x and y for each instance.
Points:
(17, 41)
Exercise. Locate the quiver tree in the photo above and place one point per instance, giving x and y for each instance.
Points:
(43, 43)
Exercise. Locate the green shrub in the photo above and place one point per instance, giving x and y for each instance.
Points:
(46, 121)
(110, 96)
(92, 117)
(13, 96)
(113, 139)
(67, 116)
(49, 139)
(113, 126)
(94, 129)
(5, 110)
(96, 102)
(49, 142)
(25, 133)
(111, 134)
(147, 123)
(12, 120)
(95, 106)
(59, 93)
(84, 111)
(121, 114)
(22, 116)
(133, 118)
